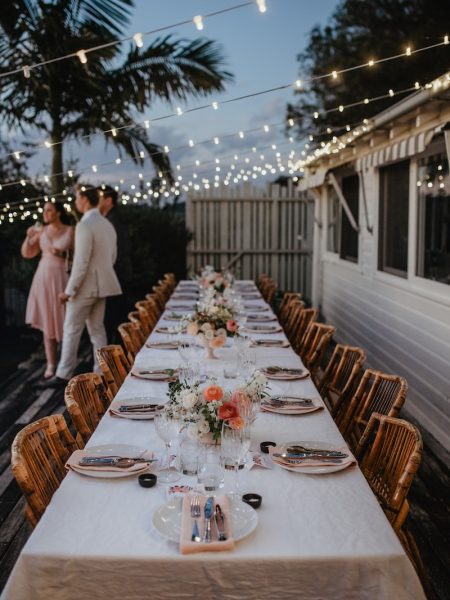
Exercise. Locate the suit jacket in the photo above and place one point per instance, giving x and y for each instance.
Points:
(93, 274)
(122, 266)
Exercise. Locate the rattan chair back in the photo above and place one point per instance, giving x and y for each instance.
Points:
(304, 319)
(132, 338)
(114, 366)
(87, 400)
(38, 455)
(340, 376)
(317, 340)
(389, 452)
(376, 392)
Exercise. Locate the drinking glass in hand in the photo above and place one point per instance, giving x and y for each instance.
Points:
(168, 429)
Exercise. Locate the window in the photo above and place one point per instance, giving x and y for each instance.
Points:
(393, 219)
(433, 240)
(349, 236)
(334, 222)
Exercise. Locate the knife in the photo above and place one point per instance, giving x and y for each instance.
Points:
(219, 519)
(209, 512)
(133, 407)
(311, 454)
(111, 460)
(292, 400)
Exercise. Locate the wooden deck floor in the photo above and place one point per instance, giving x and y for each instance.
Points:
(20, 404)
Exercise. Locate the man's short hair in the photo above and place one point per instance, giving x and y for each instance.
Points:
(89, 192)
(109, 192)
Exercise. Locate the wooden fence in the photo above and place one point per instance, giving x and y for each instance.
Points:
(254, 231)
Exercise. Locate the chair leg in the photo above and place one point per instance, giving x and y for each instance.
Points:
(412, 551)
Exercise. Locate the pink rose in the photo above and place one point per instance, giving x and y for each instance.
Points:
(231, 325)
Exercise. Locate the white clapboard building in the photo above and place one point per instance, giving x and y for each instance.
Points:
(381, 260)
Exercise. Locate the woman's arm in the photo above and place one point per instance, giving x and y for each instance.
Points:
(30, 247)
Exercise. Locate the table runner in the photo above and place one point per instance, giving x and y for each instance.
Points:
(318, 537)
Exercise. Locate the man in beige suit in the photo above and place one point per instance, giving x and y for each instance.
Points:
(92, 279)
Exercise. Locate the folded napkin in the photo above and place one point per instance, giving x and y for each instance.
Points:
(316, 462)
(155, 374)
(162, 345)
(263, 329)
(260, 318)
(73, 461)
(284, 374)
(135, 413)
(167, 330)
(270, 344)
(187, 546)
(291, 408)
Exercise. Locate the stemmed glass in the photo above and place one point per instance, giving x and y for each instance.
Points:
(168, 428)
(235, 443)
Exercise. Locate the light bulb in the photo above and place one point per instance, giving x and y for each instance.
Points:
(241, 134)
(147, 124)
(179, 111)
(27, 72)
(191, 143)
(334, 74)
(391, 93)
(215, 105)
(261, 5)
(371, 63)
(137, 37)
(291, 122)
(266, 128)
(142, 154)
(82, 56)
(166, 149)
(408, 51)
(17, 155)
(216, 140)
(94, 168)
(198, 22)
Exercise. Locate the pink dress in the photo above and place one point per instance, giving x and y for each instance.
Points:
(44, 310)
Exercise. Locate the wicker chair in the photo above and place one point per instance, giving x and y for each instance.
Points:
(304, 319)
(150, 311)
(135, 318)
(389, 452)
(38, 455)
(292, 319)
(376, 392)
(284, 308)
(132, 337)
(87, 400)
(170, 280)
(114, 366)
(317, 340)
(340, 376)
(153, 306)
(269, 292)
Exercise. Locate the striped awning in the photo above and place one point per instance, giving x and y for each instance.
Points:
(410, 146)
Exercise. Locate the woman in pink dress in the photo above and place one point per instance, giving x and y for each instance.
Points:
(44, 310)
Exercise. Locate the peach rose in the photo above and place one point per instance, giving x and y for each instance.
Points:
(192, 329)
(228, 411)
(213, 392)
(236, 423)
(242, 401)
(232, 326)
(217, 342)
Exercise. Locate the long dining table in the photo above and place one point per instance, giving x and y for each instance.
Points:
(318, 536)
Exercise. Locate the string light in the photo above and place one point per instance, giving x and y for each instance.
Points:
(371, 63)
(215, 105)
(82, 56)
(179, 111)
(27, 72)
(408, 51)
(137, 37)
(198, 22)
(261, 5)
(114, 132)
(334, 74)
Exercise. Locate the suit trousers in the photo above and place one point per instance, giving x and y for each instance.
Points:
(81, 312)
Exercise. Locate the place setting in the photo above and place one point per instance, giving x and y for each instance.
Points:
(260, 318)
(111, 461)
(280, 373)
(269, 343)
(138, 408)
(311, 457)
(156, 373)
(290, 404)
(249, 328)
(163, 345)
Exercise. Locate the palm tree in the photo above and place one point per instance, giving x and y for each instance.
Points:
(70, 100)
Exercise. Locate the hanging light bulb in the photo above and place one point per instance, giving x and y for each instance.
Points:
(179, 111)
(142, 154)
(198, 22)
(215, 105)
(137, 37)
(391, 92)
(70, 173)
(114, 132)
(216, 140)
(118, 161)
(291, 122)
(17, 155)
(147, 124)
(299, 83)
(166, 149)
(261, 5)
(408, 51)
(94, 168)
(191, 143)
(446, 40)
(266, 128)
(27, 72)
(82, 56)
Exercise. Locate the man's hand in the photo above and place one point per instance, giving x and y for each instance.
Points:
(63, 297)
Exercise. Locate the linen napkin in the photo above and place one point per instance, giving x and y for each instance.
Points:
(260, 318)
(72, 463)
(162, 345)
(293, 409)
(137, 414)
(269, 344)
(262, 328)
(285, 375)
(187, 546)
(305, 462)
(157, 375)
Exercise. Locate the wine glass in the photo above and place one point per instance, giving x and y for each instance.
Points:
(235, 443)
(168, 429)
(185, 350)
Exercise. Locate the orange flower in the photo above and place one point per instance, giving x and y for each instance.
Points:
(236, 423)
(217, 342)
(228, 411)
(213, 392)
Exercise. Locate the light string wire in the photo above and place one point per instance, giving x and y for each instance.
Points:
(298, 84)
(216, 139)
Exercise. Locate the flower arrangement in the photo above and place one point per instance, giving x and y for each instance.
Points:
(204, 409)
(217, 280)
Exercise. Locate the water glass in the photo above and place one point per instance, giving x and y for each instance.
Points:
(190, 456)
(168, 429)
(210, 473)
(235, 443)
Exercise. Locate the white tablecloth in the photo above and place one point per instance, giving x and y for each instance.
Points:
(318, 537)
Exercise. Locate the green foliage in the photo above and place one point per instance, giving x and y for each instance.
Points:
(158, 239)
(360, 30)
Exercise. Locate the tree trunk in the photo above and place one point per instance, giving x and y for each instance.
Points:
(57, 158)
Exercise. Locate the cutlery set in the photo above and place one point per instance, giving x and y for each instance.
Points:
(121, 462)
(210, 513)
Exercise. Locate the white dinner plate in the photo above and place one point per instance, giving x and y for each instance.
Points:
(332, 468)
(144, 416)
(124, 450)
(167, 519)
(142, 374)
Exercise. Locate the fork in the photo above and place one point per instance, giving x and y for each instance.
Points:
(195, 514)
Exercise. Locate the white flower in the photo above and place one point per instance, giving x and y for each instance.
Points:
(206, 327)
(203, 426)
(214, 309)
(209, 335)
(190, 400)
